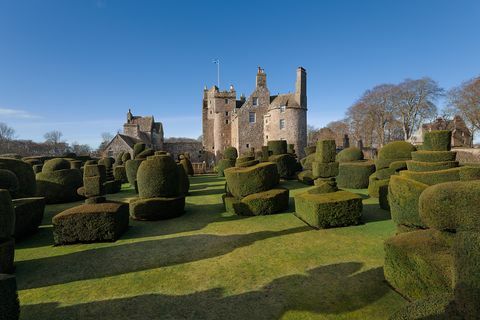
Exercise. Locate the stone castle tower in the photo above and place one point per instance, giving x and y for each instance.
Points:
(251, 122)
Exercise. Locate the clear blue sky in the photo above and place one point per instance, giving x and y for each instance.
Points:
(77, 66)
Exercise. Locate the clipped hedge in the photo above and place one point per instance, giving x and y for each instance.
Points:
(433, 307)
(230, 153)
(183, 181)
(265, 154)
(25, 175)
(90, 223)
(398, 165)
(420, 166)
(383, 197)
(158, 178)
(326, 151)
(261, 203)
(310, 150)
(399, 150)
(374, 184)
(386, 163)
(286, 165)
(433, 177)
(306, 177)
(9, 304)
(276, 147)
(468, 173)
(419, 263)
(324, 170)
(350, 154)
(125, 157)
(120, 173)
(451, 206)
(131, 167)
(244, 159)
(355, 175)
(187, 166)
(28, 216)
(327, 210)
(59, 186)
(157, 208)
(245, 181)
(434, 156)
(55, 165)
(137, 149)
(9, 181)
(403, 198)
(437, 140)
(7, 215)
(323, 186)
(307, 161)
(224, 164)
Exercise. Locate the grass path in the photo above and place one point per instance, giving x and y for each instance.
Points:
(209, 264)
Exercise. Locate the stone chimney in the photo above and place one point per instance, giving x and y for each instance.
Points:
(261, 78)
(301, 87)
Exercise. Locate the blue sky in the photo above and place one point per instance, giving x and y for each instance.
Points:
(77, 66)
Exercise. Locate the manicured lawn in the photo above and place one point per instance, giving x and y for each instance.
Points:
(209, 264)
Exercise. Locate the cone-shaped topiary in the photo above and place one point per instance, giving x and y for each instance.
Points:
(25, 175)
(350, 154)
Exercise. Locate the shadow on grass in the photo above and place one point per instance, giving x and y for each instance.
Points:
(331, 289)
(372, 212)
(132, 257)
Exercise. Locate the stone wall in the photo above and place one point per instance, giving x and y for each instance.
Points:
(467, 155)
(195, 149)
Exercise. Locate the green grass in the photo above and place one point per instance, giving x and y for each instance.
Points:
(209, 264)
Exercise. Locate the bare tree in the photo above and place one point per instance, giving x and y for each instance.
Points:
(6, 132)
(106, 138)
(311, 130)
(414, 102)
(80, 149)
(53, 137)
(465, 100)
(340, 129)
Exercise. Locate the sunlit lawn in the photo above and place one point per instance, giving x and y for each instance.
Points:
(209, 264)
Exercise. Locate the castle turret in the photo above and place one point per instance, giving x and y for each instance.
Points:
(301, 87)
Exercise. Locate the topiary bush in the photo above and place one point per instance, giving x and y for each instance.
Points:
(355, 175)
(58, 185)
(131, 168)
(433, 177)
(419, 264)
(310, 150)
(113, 186)
(383, 197)
(307, 161)
(421, 166)
(119, 159)
(326, 151)
(245, 181)
(9, 304)
(434, 156)
(145, 154)
(7, 215)
(90, 223)
(125, 157)
(437, 140)
(137, 149)
(326, 210)
(350, 154)
(158, 178)
(261, 203)
(433, 307)
(183, 181)
(28, 216)
(277, 147)
(468, 173)
(394, 151)
(9, 181)
(374, 184)
(325, 170)
(224, 164)
(55, 165)
(306, 177)
(286, 165)
(187, 165)
(398, 165)
(230, 153)
(157, 208)
(26, 177)
(120, 173)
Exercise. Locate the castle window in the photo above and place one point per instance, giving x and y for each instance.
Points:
(282, 109)
(210, 111)
(248, 146)
(226, 113)
(226, 121)
(251, 117)
(255, 101)
(266, 137)
(282, 123)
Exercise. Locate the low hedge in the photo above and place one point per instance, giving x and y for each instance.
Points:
(9, 181)
(419, 263)
(157, 208)
(158, 178)
(261, 203)
(403, 198)
(355, 175)
(327, 210)
(451, 206)
(350, 154)
(276, 147)
(90, 223)
(286, 165)
(326, 151)
(9, 304)
(305, 177)
(437, 140)
(434, 156)
(224, 164)
(374, 185)
(7, 215)
(25, 175)
(59, 186)
(324, 170)
(421, 166)
(246, 181)
(120, 173)
(468, 173)
(433, 177)
(28, 216)
(230, 153)
(7, 255)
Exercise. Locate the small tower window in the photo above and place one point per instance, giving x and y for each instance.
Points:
(282, 109)
(255, 101)
(251, 117)
(248, 145)
(226, 113)
(282, 123)
(226, 121)
(226, 101)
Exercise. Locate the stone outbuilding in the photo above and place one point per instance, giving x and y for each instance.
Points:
(461, 135)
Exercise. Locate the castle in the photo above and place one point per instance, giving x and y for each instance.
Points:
(251, 122)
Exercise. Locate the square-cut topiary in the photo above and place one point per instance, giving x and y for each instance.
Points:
(326, 151)
(9, 305)
(355, 174)
(433, 177)
(25, 175)
(419, 263)
(157, 208)
(230, 153)
(451, 206)
(120, 173)
(286, 165)
(434, 156)
(245, 181)
(403, 198)
(326, 210)
(374, 184)
(260, 203)
(421, 166)
(90, 223)
(324, 170)
(28, 216)
(437, 140)
(277, 147)
(350, 154)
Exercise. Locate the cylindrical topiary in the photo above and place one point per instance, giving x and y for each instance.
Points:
(26, 177)
(350, 154)
(437, 140)
(245, 181)
(277, 147)
(158, 178)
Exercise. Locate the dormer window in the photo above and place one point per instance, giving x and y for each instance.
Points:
(255, 101)
(282, 109)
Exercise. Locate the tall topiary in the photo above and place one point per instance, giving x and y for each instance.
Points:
(26, 177)
(230, 154)
(138, 148)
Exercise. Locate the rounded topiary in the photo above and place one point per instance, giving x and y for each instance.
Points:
(245, 181)
(187, 166)
(394, 151)
(26, 177)
(9, 181)
(224, 164)
(375, 183)
(437, 140)
(59, 186)
(286, 165)
(7, 215)
(55, 164)
(350, 154)
(90, 162)
(118, 158)
(355, 175)
(398, 165)
(307, 161)
(125, 157)
(120, 173)
(131, 167)
(107, 162)
(403, 198)
(145, 154)
(137, 148)
(277, 147)
(158, 177)
(76, 164)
